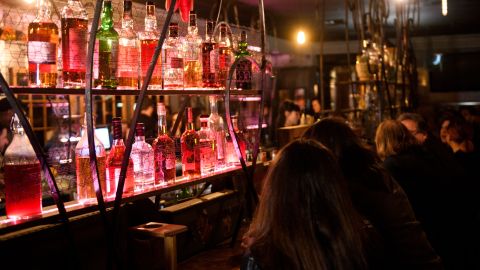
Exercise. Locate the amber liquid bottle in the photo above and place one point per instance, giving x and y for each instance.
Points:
(42, 47)
(190, 153)
(74, 44)
(164, 151)
(224, 58)
(148, 42)
(114, 163)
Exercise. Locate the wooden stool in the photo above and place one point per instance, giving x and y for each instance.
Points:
(166, 231)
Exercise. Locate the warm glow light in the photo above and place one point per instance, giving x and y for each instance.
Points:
(444, 7)
(301, 37)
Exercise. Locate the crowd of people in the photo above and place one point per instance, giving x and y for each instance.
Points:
(330, 201)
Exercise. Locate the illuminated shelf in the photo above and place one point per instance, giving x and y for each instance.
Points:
(131, 92)
(74, 208)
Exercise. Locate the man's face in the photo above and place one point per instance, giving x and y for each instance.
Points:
(316, 106)
(413, 128)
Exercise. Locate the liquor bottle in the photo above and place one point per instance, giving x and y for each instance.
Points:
(217, 127)
(224, 58)
(74, 44)
(208, 57)
(114, 163)
(243, 70)
(23, 192)
(85, 184)
(206, 147)
(107, 39)
(190, 154)
(127, 51)
(143, 163)
(148, 41)
(164, 151)
(193, 65)
(42, 47)
(173, 54)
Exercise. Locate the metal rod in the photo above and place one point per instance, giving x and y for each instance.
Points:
(90, 134)
(131, 133)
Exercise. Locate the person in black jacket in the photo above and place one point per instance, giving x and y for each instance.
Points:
(305, 219)
(436, 200)
(377, 197)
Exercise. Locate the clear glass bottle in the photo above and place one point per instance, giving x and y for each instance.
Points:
(208, 56)
(74, 44)
(243, 70)
(42, 44)
(143, 163)
(85, 185)
(217, 127)
(23, 191)
(193, 64)
(232, 158)
(190, 154)
(148, 41)
(164, 151)
(127, 51)
(173, 54)
(206, 147)
(224, 58)
(107, 39)
(114, 163)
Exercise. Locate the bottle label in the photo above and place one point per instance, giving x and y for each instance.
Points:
(77, 46)
(176, 62)
(40, 52)
(213, 60)
(127, 61)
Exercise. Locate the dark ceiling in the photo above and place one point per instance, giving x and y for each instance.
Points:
(284, 17)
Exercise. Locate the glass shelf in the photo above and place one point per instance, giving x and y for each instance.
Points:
(74, 208)
(131, 92)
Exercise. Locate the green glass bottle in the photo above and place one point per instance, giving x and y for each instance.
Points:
(243, 71)
(107, 39)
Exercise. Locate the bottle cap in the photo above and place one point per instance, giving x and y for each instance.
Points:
(193, 19)
(140, 129)
(173, 29)
(117, 128)
(243, 36)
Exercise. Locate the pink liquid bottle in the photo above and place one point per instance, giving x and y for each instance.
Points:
(23, 192)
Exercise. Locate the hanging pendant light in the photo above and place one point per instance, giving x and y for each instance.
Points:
(444, 7)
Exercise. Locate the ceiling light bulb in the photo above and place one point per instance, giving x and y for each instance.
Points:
(29, 1)
(301, 37)
(444, 7)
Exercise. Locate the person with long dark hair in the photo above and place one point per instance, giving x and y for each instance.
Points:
(305, 219)
(377, 197)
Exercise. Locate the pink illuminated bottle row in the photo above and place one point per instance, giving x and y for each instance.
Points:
(203, 153)
(122, 56)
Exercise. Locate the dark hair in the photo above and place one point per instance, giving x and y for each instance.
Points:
(305, 219)
(354, 157)
(147, 103)
(417, 118)
(392, 138)
(286, 106)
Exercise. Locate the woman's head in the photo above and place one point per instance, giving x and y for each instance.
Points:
(289, 114)
(316, 106)
(393, 138)
(305, 214)
(337, 135)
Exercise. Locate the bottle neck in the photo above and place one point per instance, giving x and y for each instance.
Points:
(139, 138)
(150, 19)
(107, 16)
(127, 19)
(44, 11)
(162, 125)
(213, 106)
(209, 31)
(190, 126)
(192, 24)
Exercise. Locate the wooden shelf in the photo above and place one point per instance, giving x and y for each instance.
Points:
(130, 92)
(74, 208)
